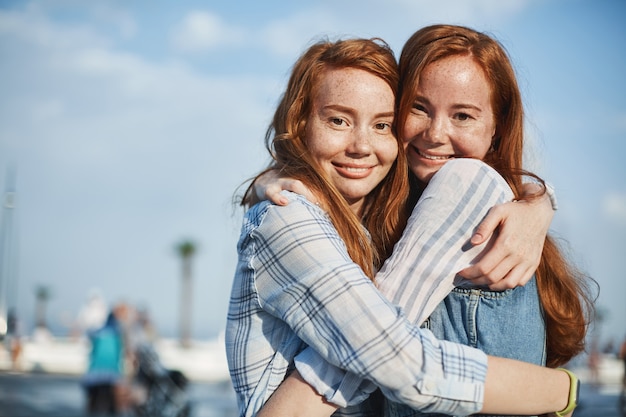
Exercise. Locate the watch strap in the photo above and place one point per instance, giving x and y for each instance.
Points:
(574, 387)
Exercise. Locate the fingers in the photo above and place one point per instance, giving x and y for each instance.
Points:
(272, 193)
(298, 187)
(507, 273)
(266, 187)
(503, 277)
(269, 187)
(505, 263)
(487, 227)
(516, 277)
(495, 261)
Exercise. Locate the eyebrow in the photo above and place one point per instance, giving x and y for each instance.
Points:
(350, 110)
(386, 114)
(457, 106)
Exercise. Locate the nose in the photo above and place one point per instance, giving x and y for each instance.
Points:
(360, 143)
(436, 130)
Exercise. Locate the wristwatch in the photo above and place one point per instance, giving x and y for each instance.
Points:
(574, 390)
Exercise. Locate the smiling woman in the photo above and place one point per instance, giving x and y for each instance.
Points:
(333, 131)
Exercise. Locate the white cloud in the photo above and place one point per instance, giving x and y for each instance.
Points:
(289, 36)
(201, 31)
(83, 85)
(614, 206)
(117, 17)
(35, 28)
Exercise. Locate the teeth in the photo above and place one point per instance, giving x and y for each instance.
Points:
(432, 157)
(352, 169)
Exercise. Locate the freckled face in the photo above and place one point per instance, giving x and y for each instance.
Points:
(349, 131)
(451, 116)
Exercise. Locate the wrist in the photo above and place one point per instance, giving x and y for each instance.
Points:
(572, 399)
(539, 189)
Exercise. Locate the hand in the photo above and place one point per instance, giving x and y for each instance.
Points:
(269, 185)
(519, 230)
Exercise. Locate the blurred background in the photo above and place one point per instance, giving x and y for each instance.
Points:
(126, 129)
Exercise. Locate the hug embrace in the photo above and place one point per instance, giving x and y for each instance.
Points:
(394, 259)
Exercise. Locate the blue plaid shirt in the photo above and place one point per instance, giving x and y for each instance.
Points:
(296, 286)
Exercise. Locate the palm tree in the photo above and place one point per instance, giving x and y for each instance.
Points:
(42, 294)
(186, 250)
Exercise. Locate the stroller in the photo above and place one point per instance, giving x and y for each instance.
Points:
(164, 390)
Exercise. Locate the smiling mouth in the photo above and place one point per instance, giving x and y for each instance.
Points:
(354, 172)
(433, 157)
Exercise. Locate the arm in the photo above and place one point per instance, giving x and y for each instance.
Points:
(514, 387)
(511, 387)
(295, 398)
(434, 246)
(517, 229)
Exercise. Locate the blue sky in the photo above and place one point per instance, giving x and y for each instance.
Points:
(131, 124)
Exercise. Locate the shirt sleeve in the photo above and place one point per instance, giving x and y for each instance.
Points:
(435, 244)
(305, 277)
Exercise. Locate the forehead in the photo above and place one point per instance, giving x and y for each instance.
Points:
(459, 73)
(352, 85)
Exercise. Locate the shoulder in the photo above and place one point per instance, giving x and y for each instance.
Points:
(466, 165)
(298, 209)
(300, 217)
(294, 234)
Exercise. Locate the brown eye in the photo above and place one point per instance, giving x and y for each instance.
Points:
(419, 107)
(462, 117)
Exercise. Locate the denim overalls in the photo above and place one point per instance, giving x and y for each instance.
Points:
(500, 323)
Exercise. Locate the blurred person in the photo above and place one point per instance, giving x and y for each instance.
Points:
(140, 337)
(105, 380)
(305, 271)
(13, 339)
